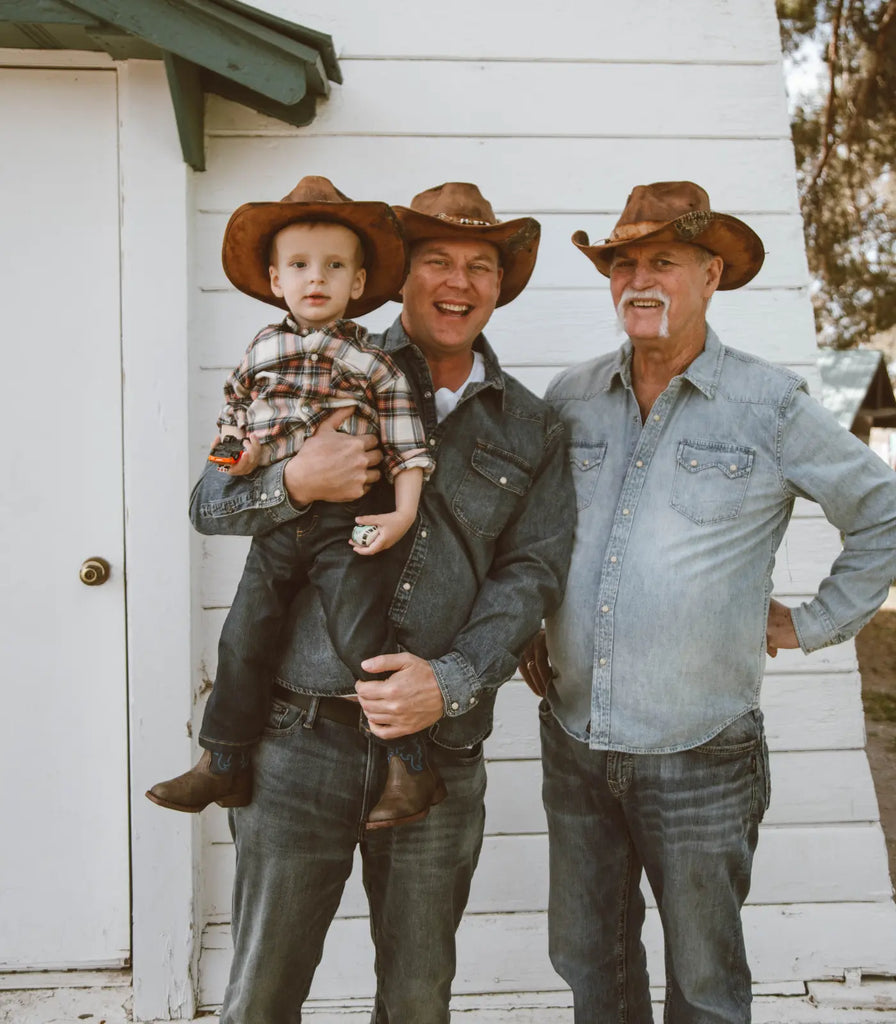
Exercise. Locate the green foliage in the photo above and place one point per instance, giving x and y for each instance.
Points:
(845, 141)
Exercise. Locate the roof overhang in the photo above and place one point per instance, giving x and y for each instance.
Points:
(220, 46)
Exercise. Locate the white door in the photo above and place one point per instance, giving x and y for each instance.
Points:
(64, 859)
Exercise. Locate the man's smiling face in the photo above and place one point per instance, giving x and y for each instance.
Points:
(450, 293)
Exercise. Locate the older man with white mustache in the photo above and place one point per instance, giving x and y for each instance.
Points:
(688, 456)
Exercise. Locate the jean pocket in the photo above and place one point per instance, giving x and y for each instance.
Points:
(490, 490)
(743, 736)
(586, 458)
(711, 479)
(463, 757)
(283, 718)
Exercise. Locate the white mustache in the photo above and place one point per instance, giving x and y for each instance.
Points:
(647, 293)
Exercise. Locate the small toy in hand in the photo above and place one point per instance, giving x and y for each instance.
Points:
(363, 535)
(227, 452)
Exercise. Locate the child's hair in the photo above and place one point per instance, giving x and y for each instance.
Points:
(360, 254)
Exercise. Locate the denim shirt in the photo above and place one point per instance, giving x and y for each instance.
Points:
(484, 561)
(660, 641)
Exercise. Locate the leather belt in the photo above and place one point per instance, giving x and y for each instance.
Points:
(334, 709)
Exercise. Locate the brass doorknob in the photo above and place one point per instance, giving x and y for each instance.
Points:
(94, 572)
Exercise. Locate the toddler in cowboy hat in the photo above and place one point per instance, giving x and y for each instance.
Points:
(321, 257)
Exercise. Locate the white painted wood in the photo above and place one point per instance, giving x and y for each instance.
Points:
(568, 31)
(512, 98)
(508, 953)
(64, 858)
(155, 279)
(524, 176)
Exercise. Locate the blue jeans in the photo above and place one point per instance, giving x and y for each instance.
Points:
(689, 820)
(315, 781)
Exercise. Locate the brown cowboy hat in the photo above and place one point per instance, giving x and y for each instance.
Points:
(678, 211)
(250, 231)
(457, 210)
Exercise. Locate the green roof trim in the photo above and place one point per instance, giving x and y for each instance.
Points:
(221, 46)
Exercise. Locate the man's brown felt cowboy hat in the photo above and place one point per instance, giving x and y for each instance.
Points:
(457, 210)
(678, 211)
(248, 235)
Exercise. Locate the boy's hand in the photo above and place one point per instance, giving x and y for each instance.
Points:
(248, 461)
(331, 465)
(390, 528)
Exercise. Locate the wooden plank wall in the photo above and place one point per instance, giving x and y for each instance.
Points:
(557, 114)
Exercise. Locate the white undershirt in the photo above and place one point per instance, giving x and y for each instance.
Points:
(446, 399)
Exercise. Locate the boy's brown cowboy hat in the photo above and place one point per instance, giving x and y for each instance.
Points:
(678, 211)
(457, 210)
(250, 231)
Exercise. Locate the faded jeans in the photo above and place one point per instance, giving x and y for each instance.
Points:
(315, 781)
(690, 821)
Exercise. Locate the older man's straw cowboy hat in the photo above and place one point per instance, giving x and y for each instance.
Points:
(457, 210)
(248, 235)
(678, 211)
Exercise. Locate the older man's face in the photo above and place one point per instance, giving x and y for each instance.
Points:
(661, 289)
(450, 293)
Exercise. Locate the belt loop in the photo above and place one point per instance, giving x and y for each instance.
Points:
(311, 716)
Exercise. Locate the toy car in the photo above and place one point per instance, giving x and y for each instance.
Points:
(363, 535)
(227, 452)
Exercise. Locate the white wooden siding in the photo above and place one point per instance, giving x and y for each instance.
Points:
(558, 114)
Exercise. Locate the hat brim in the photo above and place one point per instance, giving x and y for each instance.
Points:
(245, 252)
(516, 240)
(737, 243)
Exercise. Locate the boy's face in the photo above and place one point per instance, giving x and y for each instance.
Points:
(316, 268)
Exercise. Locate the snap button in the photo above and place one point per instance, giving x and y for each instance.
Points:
(502, 480)
(432, 441)
(639, 464)
(314, 357)
(277, 493)
(733, 468)
(454, 705)
(613, 559)
(625, 511)
(264, 497)
(602, 661)
(586, 462)
(656, 418)
(405, 586)
(472, 702)
(424, 533)
(604, 607)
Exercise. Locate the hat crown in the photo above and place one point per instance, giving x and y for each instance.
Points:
(661, 202)
(459, 202)
(314, 188)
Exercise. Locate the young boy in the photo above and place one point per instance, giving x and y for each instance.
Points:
(320, 256)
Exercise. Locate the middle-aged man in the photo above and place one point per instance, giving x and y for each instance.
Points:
(485, 560)
(687, 457)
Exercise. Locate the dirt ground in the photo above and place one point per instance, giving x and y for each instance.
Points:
(876, 649)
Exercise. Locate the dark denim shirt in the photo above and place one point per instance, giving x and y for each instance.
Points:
(484, 562)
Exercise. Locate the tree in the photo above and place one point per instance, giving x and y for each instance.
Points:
(844, 135)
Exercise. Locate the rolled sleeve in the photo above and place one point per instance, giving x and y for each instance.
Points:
(241, 505)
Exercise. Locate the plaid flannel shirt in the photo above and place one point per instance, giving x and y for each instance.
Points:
(288, 381)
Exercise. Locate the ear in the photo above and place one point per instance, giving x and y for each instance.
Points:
(275, 282)
(358, 283)
(713, 275)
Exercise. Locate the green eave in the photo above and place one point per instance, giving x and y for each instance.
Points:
(221, 46)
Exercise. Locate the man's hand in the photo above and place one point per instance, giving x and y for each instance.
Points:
(535, 666)
(408, 701)
(779, 632)
(331, 465)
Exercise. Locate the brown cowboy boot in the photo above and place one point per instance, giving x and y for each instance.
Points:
(407, 795)
(198, 787)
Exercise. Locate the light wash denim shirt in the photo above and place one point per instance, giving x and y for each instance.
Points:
(485, 560)
(660, 641)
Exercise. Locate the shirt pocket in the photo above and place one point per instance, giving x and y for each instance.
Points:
(586, 458)
(490, 490)
(711, 479)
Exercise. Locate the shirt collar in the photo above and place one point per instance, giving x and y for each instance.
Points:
(396, 338)
(704, 372)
